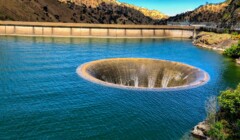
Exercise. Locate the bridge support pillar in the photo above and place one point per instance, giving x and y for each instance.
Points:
(194, 33)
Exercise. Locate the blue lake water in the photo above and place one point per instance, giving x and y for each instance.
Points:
(42, 97)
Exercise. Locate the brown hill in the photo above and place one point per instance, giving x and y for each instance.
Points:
(206, 13)
(154, 14)
(224, 14)
(81, 11)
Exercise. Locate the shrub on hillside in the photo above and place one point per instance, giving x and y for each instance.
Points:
(234, 51)
(235, 36)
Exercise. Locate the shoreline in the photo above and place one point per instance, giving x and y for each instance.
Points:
(215, 41)
(202, 45)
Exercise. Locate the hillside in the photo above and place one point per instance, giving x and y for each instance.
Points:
(154, 14)
(80, 11)
(224, 14)
(231, 14)
(209, 12)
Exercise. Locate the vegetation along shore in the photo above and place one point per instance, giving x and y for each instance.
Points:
(223, 112)
(223, 117)
(226, 43)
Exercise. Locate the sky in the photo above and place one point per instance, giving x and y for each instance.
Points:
(170, 7)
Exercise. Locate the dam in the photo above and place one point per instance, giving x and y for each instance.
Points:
(50, 29)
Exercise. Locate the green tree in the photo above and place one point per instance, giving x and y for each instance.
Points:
(234, 51)
(217, 131)
(229, 101)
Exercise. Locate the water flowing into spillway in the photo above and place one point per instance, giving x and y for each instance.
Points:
(142, 73)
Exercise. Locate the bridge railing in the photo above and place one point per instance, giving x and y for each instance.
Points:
(199, 24)
(209, 26)
(236, 27)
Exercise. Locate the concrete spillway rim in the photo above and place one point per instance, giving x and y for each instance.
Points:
(81, 71)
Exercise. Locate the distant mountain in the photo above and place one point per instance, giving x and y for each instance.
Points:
(224, 14)
(79, 11)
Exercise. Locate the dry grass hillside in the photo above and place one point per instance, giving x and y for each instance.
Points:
(92, 3)
(215, 41)
(80, 11)
(154, 14)
(225, 14)
(206, 13)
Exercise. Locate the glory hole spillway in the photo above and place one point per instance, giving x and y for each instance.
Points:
(140, 73)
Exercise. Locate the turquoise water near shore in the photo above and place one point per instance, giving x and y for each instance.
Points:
(42, 97)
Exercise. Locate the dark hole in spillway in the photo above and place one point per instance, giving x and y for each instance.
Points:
(142, 73)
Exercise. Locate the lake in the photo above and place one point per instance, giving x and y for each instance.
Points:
(42, 96)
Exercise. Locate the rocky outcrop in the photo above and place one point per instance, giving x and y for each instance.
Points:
(238, 61)
(200, 130)
(214, 41)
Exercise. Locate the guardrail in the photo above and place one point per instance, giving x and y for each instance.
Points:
(220, 30)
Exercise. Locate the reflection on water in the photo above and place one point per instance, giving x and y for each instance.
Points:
(231, 72)
(64, 40)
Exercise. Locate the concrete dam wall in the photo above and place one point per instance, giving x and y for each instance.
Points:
(49, 29)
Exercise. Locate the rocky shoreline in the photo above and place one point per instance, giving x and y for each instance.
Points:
(214, 41)
(238, 61)
(208, 46)
(200, 131)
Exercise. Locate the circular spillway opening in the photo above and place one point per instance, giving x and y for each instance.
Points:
(141, 73)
